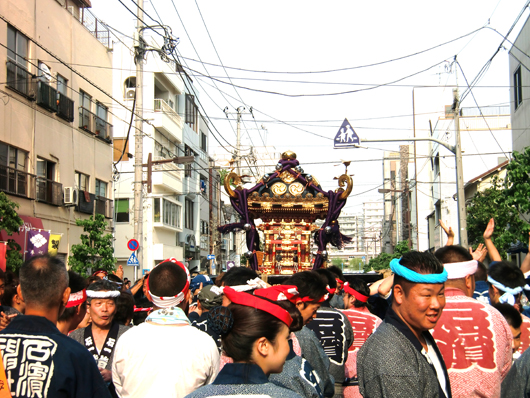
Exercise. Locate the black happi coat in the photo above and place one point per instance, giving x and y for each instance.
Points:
(41, 361)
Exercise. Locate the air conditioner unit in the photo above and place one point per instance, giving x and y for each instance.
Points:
(71, 196)
(129, 93)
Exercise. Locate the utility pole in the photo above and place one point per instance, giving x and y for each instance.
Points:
(138, 138)
(238, 143)
(239, 112)
(460, 194)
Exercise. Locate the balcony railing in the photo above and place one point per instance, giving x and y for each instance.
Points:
(86, 120)
(84, 205)
(20, 80)
(95, 27)
(163, 106)
(90, 122)
(17, 182)
(49, 191)
(103, 129)
(104, 206)
(46, 96)
(65, 108)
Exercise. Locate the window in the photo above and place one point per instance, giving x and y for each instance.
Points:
(162, 151)
(130, 88)
(130, 82)
(62, 84)
(101, 188)
(13, 177)
(82, 181)
(204, 243)
(436, 166)
(47, 189)
(191, 112)
(121, 211)
(13, 157)
(187, 167)
(170, 215)
(204, 227)
(188, 221)
(85, 116)
(18, 77)
(438, 210)
(45, 169)
(204, 145)
(17, 46)
(204, 186)
(517, 87)
(102, 130)
(85, 100)
(101, 111)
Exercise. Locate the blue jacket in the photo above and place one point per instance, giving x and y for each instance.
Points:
(242, 379)
(41, 361)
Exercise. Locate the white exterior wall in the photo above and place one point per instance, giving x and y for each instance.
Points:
(160, 241)
(520, 117)
(475, 139)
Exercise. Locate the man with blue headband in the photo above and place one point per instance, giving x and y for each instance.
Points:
(401, 359)
(506, 283)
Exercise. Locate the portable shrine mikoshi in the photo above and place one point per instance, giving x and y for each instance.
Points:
(288, 202)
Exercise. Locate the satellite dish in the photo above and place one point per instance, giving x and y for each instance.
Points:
(45, 72)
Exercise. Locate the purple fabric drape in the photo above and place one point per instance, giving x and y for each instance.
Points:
(321, 237)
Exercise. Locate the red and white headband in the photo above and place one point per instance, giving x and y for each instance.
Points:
(351, 291)
(249, 300)
(330, 290)
(461, 270)
(76, 298)
(102, 294)
(252, 284)
(279, 293)
(171, 301)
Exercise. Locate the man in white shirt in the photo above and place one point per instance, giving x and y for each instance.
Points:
(165, 356)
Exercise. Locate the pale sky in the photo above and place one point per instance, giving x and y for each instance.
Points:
(311, 36)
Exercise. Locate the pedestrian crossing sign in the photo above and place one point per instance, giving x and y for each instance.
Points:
(346, 137)
(133, 260)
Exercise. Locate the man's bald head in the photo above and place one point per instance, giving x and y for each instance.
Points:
(43, 280)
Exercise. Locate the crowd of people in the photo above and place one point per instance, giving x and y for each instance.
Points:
(438, 325)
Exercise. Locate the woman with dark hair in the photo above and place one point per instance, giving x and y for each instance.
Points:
(255, 334)
(11, 301)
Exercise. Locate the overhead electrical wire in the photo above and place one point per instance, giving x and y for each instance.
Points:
(486, 66)
(184, 80)
(227, 75)
(480, 110)
(323, 94)
(345, 68)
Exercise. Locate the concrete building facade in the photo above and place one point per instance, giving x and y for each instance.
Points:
(56, 128)
(177, 214)
(482, 151)
(519, 81)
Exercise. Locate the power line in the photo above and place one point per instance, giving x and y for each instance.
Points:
(346, 68)
(486, 66)
(227, 75)
(480, 110)
(323, 94)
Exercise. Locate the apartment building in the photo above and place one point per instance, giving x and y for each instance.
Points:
(178, 212)
(56, 128)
